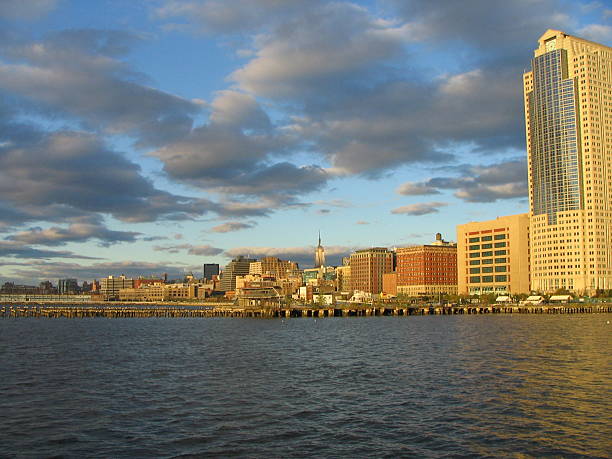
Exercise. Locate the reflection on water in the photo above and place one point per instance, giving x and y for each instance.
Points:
(414, 386)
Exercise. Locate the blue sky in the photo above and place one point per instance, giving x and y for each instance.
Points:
(153, 136)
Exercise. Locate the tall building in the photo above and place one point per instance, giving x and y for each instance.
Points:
(493, 256)
(319, 257)
(568, 121)
(237, 267)
(67, 286)
(426, 270)
(209, 270)
(368, 267)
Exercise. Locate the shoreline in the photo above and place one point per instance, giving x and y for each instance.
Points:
(186, 310)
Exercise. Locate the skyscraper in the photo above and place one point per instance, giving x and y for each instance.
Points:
(319, 258)
(568, 120)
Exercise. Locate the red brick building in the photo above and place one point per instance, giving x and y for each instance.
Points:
(368, 267)
(427, 270)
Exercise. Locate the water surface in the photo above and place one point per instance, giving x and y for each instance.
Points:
(437, 386)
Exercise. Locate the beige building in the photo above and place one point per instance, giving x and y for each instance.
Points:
(280, 269)
(110, 286)
(568, 120)
(493, 256)
(343, 278)
(368, 267)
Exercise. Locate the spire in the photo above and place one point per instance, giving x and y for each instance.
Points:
(319, 238)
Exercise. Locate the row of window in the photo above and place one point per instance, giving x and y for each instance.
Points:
(486, 279)
(488, 269)
(487, 261)
(488, 246)
(497, 237)
(487, 254)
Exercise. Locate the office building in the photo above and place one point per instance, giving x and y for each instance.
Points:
(237, 267)
(67, 286)
(319, 256)
(209, 270)
(368, 267)
(493, 256)
(427, 270)
(280, 269)
(568, 122)
(110, 286)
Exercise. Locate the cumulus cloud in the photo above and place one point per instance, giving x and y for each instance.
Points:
(191, 249)
(26, 9)
(486, 183)
(38, 270)
(421, 208)
(229, 227)
(20, 250)
(75, 174)
(76, 232)
(416, 189)
(228, 16)
(302, 255)
(77, 73)
(599, 33)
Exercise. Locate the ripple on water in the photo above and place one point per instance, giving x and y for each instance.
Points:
(486, 386)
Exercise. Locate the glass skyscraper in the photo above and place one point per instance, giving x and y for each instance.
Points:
(568, 113)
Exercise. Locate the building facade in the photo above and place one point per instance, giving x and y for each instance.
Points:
(280, 269)
(427, 270)
(110, 286)
(368, 267)
(237, 267)
(493, 256)
(209, 270)
(568, 122)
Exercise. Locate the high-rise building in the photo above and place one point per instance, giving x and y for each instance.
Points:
(237, 267)
(426, 270)
(209, 270)
(568, 120)
(493, 256)
(368, 267)
(319, 257)
(67, 286)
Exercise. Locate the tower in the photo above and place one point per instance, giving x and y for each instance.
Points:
(568, 123)
(319, 257)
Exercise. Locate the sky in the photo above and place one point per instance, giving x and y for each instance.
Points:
(152, 136)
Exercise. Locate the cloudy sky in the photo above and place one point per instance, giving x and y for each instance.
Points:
(155, 135)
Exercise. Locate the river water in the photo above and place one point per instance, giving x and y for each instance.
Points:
(436, 386)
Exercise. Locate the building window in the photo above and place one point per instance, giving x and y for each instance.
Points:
(474, 270)
(503, 278)
(500, 244)
(474, 254)
(487, 238)
(488, 261)
(474, 262)
(497, 237)
(475, 279)
(487, 269)
(500, 260)
(500, 252)
(500, 269)
(487, 246)
(487, 254)
(487, 278)
(474, 239)
(475, 247)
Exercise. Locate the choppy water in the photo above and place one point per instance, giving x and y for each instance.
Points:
(449, 386)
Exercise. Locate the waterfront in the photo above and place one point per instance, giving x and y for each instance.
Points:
(484, 385)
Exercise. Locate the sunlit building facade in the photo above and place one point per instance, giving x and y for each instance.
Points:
(568, 114)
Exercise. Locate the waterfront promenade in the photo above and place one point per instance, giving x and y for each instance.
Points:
(229, 310)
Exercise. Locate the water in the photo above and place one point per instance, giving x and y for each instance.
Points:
(446, 386)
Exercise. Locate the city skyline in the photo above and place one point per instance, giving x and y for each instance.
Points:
(160, 135)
